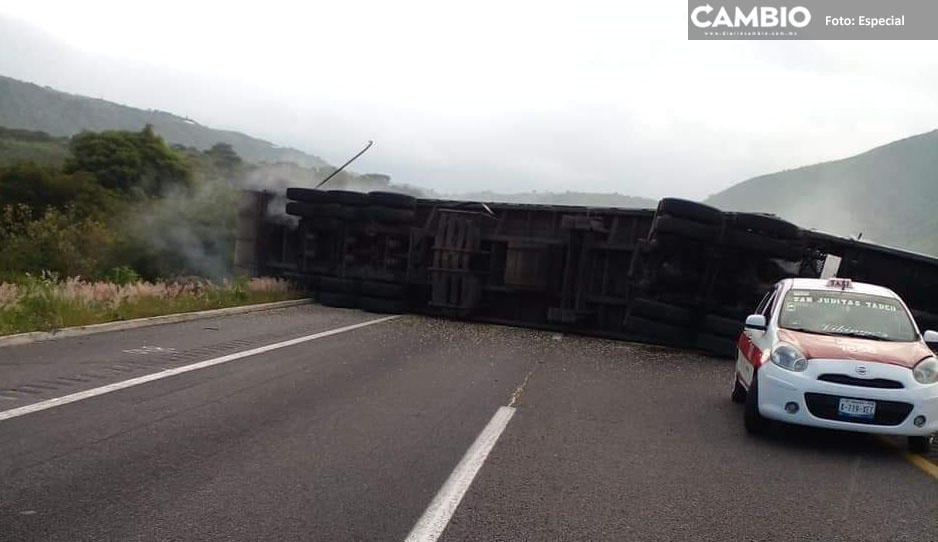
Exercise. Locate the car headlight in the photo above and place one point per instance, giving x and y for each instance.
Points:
(788, 357)
(926, 372)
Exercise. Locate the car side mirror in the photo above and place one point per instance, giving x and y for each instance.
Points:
(757, 322)
(931, 339)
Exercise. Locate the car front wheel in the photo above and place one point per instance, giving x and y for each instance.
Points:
(739, 392)
(921, 445)
(752, 419)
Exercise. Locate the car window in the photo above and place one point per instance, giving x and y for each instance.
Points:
(847, 314)
(765, 301)
(769, 303)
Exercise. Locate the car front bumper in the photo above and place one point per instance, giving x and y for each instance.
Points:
(778, 387)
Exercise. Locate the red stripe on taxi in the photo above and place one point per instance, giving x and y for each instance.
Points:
(750, 351)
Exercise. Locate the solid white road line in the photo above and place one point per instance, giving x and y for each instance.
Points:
(59, 401)
(431, 525)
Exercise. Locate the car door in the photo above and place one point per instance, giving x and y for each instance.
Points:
(753, 342)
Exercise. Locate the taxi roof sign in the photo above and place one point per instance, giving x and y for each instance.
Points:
(843, 284)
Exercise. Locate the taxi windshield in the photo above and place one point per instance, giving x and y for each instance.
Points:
(846, 313)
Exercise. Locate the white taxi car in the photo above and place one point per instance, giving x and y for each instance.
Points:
(840, 355)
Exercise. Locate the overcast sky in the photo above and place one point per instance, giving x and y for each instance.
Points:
(507, 96)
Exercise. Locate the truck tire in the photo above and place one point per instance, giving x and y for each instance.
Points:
(339, 285)
(661, 312)
(690, 210)
(324, 223)
(302, 209)
(336, 299)
(667, 333)
(384, 290)
(395, 200)
(684, 227)
(304, 282)
(722, 327)
(390, 215)
(307, 195)
(766, 224)
(720, 346)
(348, 197)
(337, 210)
(764, 245)
(383, 306)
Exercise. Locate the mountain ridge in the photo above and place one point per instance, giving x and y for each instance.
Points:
(30, 106)
(884, 193)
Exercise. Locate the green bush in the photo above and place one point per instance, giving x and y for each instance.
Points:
(124, 206)
(40, 187)
(36, 308)
(60, 241)
(123, 275)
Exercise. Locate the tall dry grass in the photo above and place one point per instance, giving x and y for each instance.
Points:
(45, 303)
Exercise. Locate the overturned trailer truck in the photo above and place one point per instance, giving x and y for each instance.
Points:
(684, 274)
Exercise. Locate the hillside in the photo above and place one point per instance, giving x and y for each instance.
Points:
(32, 107)
(887, 193)
(40, 147)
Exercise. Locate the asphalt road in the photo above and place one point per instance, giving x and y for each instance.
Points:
(350, 437)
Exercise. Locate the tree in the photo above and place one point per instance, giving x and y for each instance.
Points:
(40, 187)
(129, 162)
(61, 241)
(224, 156)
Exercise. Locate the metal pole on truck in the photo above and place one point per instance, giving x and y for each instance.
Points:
(352, 159)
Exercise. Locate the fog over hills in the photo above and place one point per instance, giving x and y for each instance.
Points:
(33, 107)
(888, 194)
(27, 106)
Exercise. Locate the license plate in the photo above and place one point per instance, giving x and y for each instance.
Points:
(856, 408)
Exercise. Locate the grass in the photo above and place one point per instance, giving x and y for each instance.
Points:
(50, 151)
(46, 304)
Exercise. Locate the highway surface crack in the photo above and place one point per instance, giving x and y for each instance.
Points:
(855, 473)
(515, 395)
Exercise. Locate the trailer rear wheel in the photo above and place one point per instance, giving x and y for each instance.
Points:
(336, 299)
(662, 312)
(307, 195)
(691, 210)
(767, 224)
(348, 197)
(723, 327)
(386, 290)
(684, 227)
(337, 210)
(667, 333)
(394, 200)
(302, 209)
(767, 246)
(720, 346)
(339, 285)
(383, 306)
(390, 214)
(324, 223)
